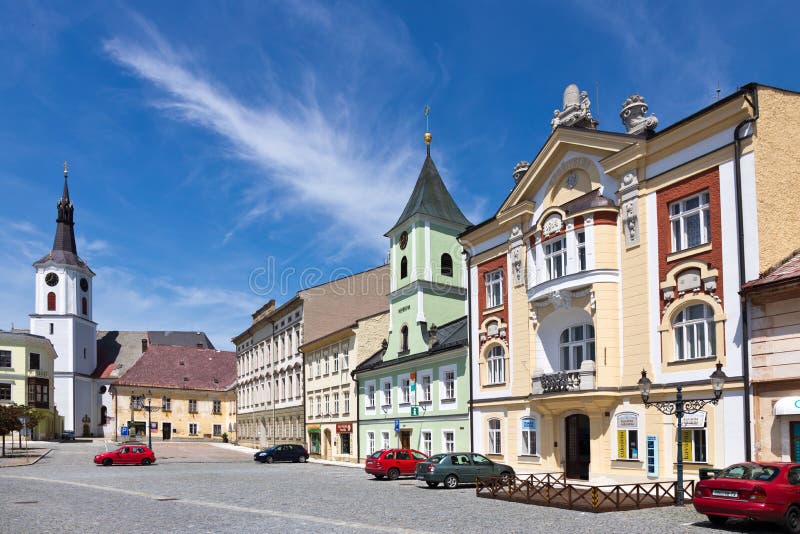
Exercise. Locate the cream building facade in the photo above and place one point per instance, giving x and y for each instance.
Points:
(331, 393)
(26, 378)
(618, 252)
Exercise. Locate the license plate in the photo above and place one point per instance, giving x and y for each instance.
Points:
(724, 493)
(420, 477)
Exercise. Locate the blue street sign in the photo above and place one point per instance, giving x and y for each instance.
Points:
(397, 425)
(123, 431)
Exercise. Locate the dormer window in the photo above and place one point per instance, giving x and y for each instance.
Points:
(403, 267)
(447, 265)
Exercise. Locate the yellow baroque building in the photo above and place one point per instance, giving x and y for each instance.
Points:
(621, 252)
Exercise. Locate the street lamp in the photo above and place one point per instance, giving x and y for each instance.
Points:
(679, 407)
(150, 409)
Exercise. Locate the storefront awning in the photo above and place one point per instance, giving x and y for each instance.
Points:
(788, 406)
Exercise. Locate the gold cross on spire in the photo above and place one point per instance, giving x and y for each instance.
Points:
(428, 136)
(66, 169)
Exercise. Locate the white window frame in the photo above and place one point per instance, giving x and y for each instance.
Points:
(555, 258)
(327, 404)
(444, 397)
(448, 445)
(319, 365)
(495, 436)
(370, 442)
(581, 262)
(335, 356)
(369, 394)
(193, 402)
(336, 402)
(404, 384)
(426, 441)
(326, 359)
(385, 443)
(346, 399)
(345, 352)
(494, 288)
(216, 430)
(679, 215)
(496, 365)
(688, 345)
(525, 437)
(319, 405)
(691, 434)
(425, 385)
(576, 348)
(386, 392)
(10, 391)
(193, 426)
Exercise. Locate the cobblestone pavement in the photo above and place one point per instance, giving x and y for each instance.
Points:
(203, 488)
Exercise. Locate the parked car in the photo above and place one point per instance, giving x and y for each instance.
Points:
(127, 455)
(282, 453)
(68, 435)
(393, 462)
(759, 491)
(454, 468)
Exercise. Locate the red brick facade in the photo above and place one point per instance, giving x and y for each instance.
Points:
(487, 267)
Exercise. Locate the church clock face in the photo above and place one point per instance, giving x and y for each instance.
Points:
(403, 240)
(84, 285)
(51, 279)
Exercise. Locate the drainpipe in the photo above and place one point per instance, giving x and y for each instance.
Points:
(737, 174)
(468, 257)
(358, 420)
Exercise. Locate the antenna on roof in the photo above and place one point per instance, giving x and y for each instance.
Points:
(717, 92)
(597, 98)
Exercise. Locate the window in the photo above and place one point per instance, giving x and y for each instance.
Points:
(326, 358)
(403, 267)
(404, 339)
(217, 430)
(51, 301)
(387, 393)
(335, 356)
(529, 436)
(39, 392)
(449, 385)
(216, 407)
(555, 258)
(494, 288)
(192, 429)
(384, 440)
(425, 389)
(447, 265)
(577, 344)
(137, 402)
(494, 437)
(327, 404)
(336, 402)
(166, 404)
(346, 395)
(5, 392)
(694, 445)
(370, 442)
(427, 442)
(318, 365)
(689, 219)
(370, 396)
(319, 405)
(289, 388)
(405, 391)
(496, 366)
(580, 238)
(51, 329)
(84, 307)
(628, 436)
(5, 358)
(449, 440)
(192, 406)
(35, 361)
(345, 355)
(695, 336)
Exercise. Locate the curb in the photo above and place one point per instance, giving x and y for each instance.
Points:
(48, 451)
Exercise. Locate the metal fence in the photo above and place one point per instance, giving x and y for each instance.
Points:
(552, 489)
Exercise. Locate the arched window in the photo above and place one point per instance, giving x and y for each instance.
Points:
(404, 338)
(84, 307)
(496, 365)
(403, 267)
(694, 332)
(51, 301)
(495, 437)
(447, 265)
(576, 344)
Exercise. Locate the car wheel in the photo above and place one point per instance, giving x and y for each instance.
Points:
(450, 481)
(393, 473)
(146, 461)
(269, 459)
(431, 484)
(505, 478)
(717, 520)
(379, 477)
(107, 461)
(792, 520)
(303, 459)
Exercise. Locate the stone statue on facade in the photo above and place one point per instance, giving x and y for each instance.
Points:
(633, 116)
(520, 169)
(576, 110)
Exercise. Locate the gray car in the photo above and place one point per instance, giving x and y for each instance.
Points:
(454, 468)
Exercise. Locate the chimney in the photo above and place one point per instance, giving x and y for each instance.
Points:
(144, 345)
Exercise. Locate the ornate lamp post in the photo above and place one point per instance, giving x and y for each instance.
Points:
(679, 407)
(150, 409)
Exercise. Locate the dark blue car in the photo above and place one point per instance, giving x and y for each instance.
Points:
(282, 453)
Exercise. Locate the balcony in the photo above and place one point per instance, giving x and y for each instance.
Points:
(38, 373)
(565, 381)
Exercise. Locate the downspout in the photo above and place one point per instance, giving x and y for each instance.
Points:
(468, 257)
(358, 421)
(737, 174)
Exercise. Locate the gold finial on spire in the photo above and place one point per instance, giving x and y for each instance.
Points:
(428, 136)
(66, 169)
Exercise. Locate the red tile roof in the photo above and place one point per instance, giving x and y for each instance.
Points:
(182, 367)
(785, 272)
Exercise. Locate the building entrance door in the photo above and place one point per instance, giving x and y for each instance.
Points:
(794, 440)
(166, 430)
(578, 445)
(405, 439)
(327, 451)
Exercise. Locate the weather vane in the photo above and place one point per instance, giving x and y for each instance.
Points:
(427, 112)
(66, 168)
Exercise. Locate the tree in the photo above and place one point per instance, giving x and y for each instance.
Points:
(9, 420)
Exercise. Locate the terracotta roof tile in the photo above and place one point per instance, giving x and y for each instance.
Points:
(786, 271)
(182, 367)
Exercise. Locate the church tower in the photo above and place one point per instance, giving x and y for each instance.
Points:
(63, 314)
(428, 274)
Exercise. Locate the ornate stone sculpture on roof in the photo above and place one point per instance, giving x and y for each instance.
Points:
(633, 116)
(575, 110)
(520, 169)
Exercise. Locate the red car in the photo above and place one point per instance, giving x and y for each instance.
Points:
(393, 462)
(759, 491)
(127, 455)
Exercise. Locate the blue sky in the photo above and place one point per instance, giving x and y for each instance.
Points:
(235, 138)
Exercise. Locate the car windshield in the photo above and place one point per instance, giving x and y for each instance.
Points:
(376, 454)
(436, 458)
(749, 472)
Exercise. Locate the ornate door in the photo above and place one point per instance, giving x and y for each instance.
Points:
(578, 446)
